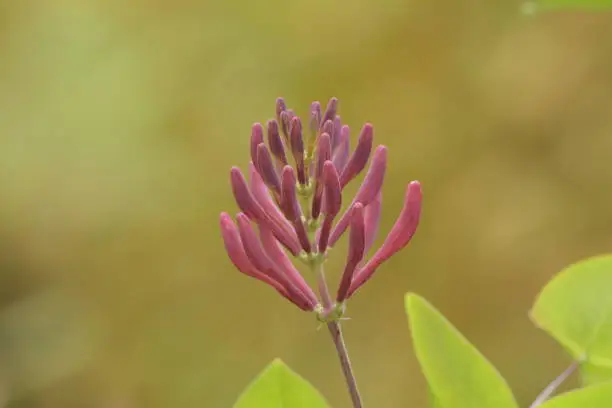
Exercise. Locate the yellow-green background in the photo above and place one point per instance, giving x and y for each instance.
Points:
(119, 121)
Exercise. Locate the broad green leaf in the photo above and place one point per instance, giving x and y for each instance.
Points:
(594, 396)
(458, 375)
(535, 6)
(592, 374)
(575, 307)
(433, 400)
(277, 386)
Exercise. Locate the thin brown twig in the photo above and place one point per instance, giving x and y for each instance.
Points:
(552, 387)
(336, 333)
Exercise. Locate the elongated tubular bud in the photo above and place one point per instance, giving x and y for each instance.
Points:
(372, 220)
(400, 235)
(285, 123)
(315, 118)
(342, 150)
(323, 155)
(262, 197)
(371, 185)
(275, 142)
(314, 124)
(236, 253)
(358, 160)
(266, 169)
(333, 202)
(278, 256)
(251, 207)
(335, 137)
(355, 250)
(259, 258)
(256, 139)
(297, 148)
(291, 207)
(281, 106)
(328, 127)
(330, 110)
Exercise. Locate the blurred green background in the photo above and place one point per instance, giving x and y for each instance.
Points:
(119, 122)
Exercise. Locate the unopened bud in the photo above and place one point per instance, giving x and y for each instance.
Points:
(256, 139)
(360, 156)
(355, 251)
(275, 142)
(267, 170)
(400, 235)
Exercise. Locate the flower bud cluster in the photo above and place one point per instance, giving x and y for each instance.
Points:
(291, 205)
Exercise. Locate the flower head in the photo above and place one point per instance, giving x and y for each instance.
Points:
(289, 211)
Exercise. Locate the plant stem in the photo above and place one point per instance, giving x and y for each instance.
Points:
(336, 333)
(552, 387)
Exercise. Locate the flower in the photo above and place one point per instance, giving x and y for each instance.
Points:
(291, 211)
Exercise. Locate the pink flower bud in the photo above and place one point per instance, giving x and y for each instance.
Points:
(280, 107)
(283, 231)
(342, 149)
(284, 121)
(328, 127)
(372, 220)
(323, 155)
(297, 148)
(360, 156)
(251, 207)
(276, 143)
(256, 139)
(336, 135)
(278, 256)
(236, 253)
(315, 118)
(400, 235)
(333, 195)
(371, 185)
(291, 206)
(330, 110)
(243, 196)
(252, 246)
(261, 261)
(355, 251)
(333, 202)
(266, 168)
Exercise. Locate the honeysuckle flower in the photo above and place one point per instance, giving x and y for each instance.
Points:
(323, 155)
(355, 250)
(294, 206)
(371, 185)
(401, 233)
(359, 158)
(342, 148)
(276, 144)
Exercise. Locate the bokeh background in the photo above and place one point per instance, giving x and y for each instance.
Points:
(119, 122)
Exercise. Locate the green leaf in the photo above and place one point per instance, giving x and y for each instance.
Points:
(592, 374)
(532, 6)
(594, 396)
(434, 402)
(277, 386)
(458, 375)
(575, 307)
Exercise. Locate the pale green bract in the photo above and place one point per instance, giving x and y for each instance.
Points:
(594, 396)
(458, 375)
(575, 307)
(277, 386)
